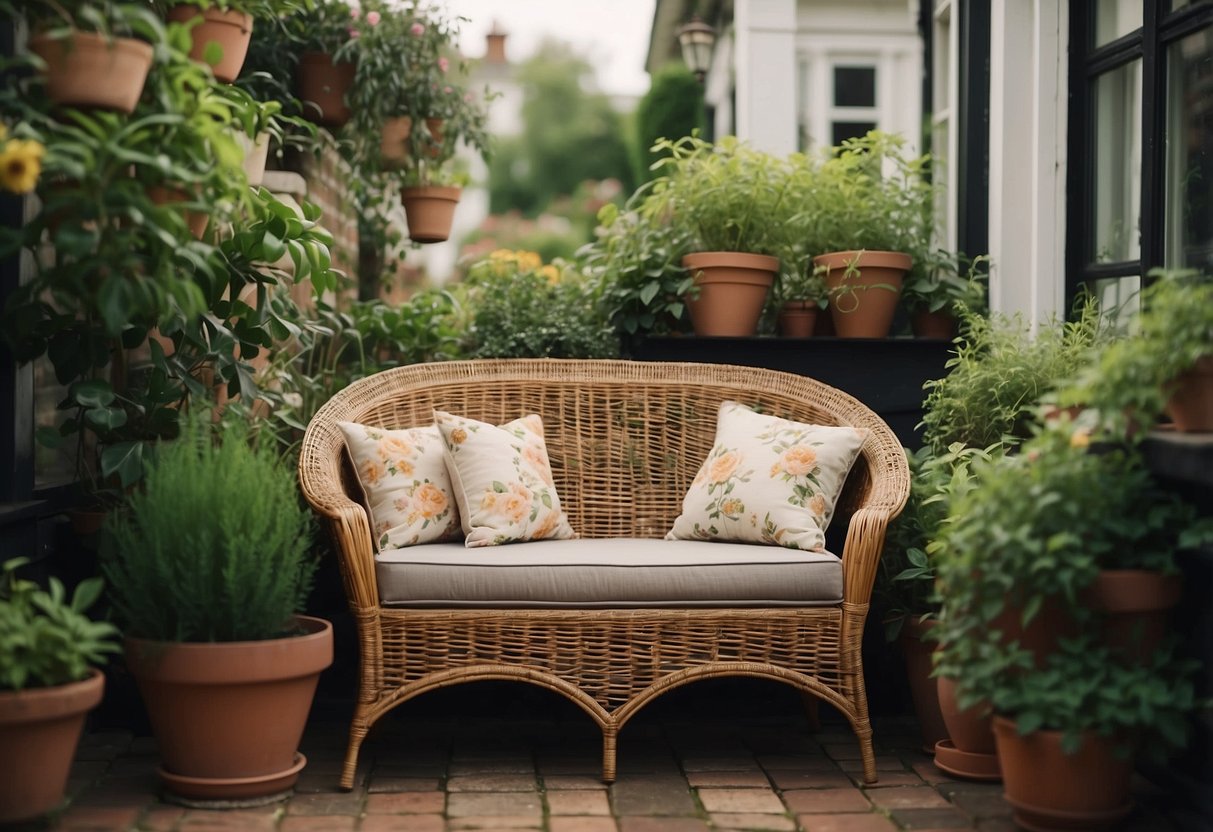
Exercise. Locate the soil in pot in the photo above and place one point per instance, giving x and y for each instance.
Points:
(1191, 404)
(970, 750)
(88, 70)
(797, 318)
(322, 86)
(430, 212)
(864, 289)
(732, 288)
(230, 31)
(39, 730)
(924, 690)
(1052, 790)
(228, 717)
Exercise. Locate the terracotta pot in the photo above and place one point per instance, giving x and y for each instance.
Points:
(1050, 789)
(797, 318)
(39, 730)
(395, 144)
(322, 86)
(1191, 402)
(924, 690)
(87, 70)
(228, 717)
(863, 304)
(732, 289)
(196, 220)
(1051, 622)
(430, 211)
(939, 324)
(1135, 604)
(970, 751)
(230, 30)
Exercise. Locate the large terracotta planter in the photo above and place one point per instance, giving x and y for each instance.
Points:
(39, 730)
(1135, 604)
(88, 70)
(924, 690)
(1052, 790)
(228, 717)
(970, 750)
(231, 31)
(1191, 402)
(430, 212)
(797, 318)
(322, 86)
(732, 287)
(862, 303)
(395, 144)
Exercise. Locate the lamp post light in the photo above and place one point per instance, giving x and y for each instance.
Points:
(697, 39)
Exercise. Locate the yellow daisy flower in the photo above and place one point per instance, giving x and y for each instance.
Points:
(20, 165)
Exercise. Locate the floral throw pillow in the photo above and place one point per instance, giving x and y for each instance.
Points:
(768, 480)
(503, 480)
(403, 475)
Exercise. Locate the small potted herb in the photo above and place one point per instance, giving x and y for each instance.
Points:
(935, 295)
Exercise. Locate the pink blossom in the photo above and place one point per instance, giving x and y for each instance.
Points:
(372, 18)
(447, 90)
(355, 12)
(417, 29)
(354, 33)
(444, 64)
(468, 97)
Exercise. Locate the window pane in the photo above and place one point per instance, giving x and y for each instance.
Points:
(1117, 165)
(843, 130)
(1119, 300)
(854, 86)
(1189, 215)
(1116, 18)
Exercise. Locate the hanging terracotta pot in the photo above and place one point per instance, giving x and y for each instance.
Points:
(164, 195)
(1191, 402)
(230, 30)
(1135, 604)
(228, 716)
(88, 70)
(864, 289)
(322, 86)
(924, 690)
(430, 211)
(1052, 790)
(797, 318)
(732, 289)
(938, 324)
(395, 143)
(970, 750)
(39, 730)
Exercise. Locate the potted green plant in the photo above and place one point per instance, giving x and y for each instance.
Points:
(49, 654)
(868, 215)
(1165, 363)
(220, 30)
(800, 296)
(207, 567)
(322, 80)
(733, 203)
(1022, 631)
(935, 296)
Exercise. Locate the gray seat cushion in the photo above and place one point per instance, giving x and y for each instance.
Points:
(621, 572)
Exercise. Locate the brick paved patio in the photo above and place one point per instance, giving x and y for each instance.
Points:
(691, 764)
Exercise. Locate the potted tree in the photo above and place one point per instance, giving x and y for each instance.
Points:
(49, 653)
(733, 203)
(208, 566)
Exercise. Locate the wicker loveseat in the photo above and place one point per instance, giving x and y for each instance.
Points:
(625, 441)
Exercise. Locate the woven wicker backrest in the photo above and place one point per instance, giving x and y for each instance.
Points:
(625, 438)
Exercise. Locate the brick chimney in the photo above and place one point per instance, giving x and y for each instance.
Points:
(494, 51)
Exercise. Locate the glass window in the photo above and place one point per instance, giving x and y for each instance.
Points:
(1115, 19)
(843, 130)
(1117, 183)
(1119, 300)
(854, 86)
(1189, 143)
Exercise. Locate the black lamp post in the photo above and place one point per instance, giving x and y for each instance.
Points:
(697, 39)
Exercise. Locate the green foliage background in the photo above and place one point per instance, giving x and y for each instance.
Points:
(671, 109)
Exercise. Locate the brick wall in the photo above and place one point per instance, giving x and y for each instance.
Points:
(328, 178)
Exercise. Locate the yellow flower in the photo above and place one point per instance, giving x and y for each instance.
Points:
(528, 261)
(1080, 439)
(20, 165)
(550, 273)
(724, 466)
(3, 132)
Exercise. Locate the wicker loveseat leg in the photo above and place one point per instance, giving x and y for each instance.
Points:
(358, 730)
(610, 737)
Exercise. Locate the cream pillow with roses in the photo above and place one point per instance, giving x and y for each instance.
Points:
(403, 476)
(502, 480)
(768, 480)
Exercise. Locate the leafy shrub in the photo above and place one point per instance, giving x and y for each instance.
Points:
(215, 547)
(46, 640)
(671, 109)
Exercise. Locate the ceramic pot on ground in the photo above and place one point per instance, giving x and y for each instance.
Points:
(797, 318)
(1135, 604)
(430, 212)
(927, 324)
(864, 289)
(924, 690)
(322, 86)
(1191, 402)
(228, 717)
(395, 143)
(732, 288)
(970, 750)
(1052, 790)
(88, 70)
(231, 31)
(39, 730)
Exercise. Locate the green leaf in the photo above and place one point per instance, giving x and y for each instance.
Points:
(124, 459)
(212, 53)
(93, 393)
